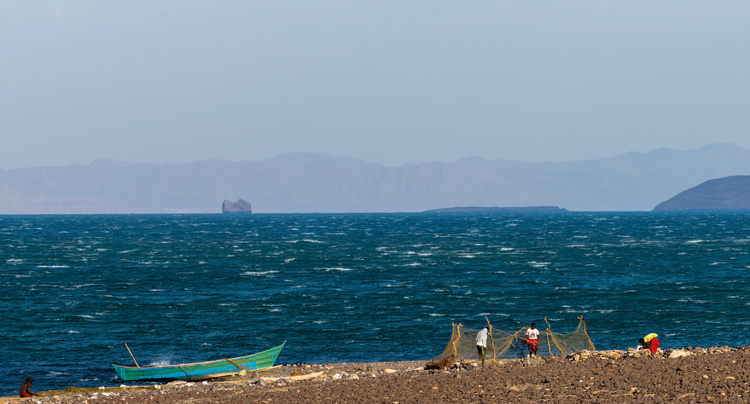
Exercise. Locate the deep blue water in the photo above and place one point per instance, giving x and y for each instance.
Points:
(353, 287)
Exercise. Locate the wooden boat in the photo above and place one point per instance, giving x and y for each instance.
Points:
(202, 370)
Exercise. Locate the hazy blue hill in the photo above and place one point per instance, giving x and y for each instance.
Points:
(306, 182)
(499, 209)
(729, 193)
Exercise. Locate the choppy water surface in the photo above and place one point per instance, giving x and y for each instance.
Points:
(354, 287)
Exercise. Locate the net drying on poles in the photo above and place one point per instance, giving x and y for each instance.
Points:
(511, 344)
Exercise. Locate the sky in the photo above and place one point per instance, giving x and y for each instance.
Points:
(391, 82)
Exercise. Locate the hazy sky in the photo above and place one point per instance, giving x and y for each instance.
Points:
(394, 82)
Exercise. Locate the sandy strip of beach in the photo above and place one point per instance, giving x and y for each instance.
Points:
(719, 374)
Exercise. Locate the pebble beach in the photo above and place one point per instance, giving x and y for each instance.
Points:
(690, 375)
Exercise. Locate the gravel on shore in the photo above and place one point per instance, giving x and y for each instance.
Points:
(691, 375)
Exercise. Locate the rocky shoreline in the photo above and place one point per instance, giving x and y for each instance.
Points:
(691, 375)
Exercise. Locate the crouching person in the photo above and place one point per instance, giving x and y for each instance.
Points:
(26, 387)
(650, 342)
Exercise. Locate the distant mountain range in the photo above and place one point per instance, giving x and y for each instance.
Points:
(323, 183)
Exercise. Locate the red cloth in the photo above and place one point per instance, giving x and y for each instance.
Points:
(25, 394)
(532, 345)
(653, 345)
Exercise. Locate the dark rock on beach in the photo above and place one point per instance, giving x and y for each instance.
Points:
(241, 206)
(685, 375)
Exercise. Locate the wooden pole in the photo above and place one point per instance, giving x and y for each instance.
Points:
(549, 347)
(188, 375)
(458, 336)
(587, 333)
(238, 366)
(131, 355)
(492, 341)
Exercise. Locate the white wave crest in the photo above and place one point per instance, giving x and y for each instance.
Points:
(260, 273)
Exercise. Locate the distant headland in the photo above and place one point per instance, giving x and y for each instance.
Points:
(488, 209)
(728, 193)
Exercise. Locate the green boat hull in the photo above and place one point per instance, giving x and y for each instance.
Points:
(202, 370)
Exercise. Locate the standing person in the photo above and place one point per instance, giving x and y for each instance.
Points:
(650, 342)
(26, 387)
(482, 343)
(532, 338)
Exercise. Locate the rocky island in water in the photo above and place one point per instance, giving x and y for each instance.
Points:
(241, 206)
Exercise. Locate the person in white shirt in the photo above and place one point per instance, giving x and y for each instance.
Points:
(482, 343)
(532, 338)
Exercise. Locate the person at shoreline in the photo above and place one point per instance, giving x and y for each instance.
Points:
(650, 342)
(482, 343)
(26, 388)
(532, 339)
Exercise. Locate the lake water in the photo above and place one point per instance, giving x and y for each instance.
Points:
(353, 287)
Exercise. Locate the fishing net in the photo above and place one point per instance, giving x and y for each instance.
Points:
(511, 344)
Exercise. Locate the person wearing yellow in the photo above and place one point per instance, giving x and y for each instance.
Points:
(650, 342)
